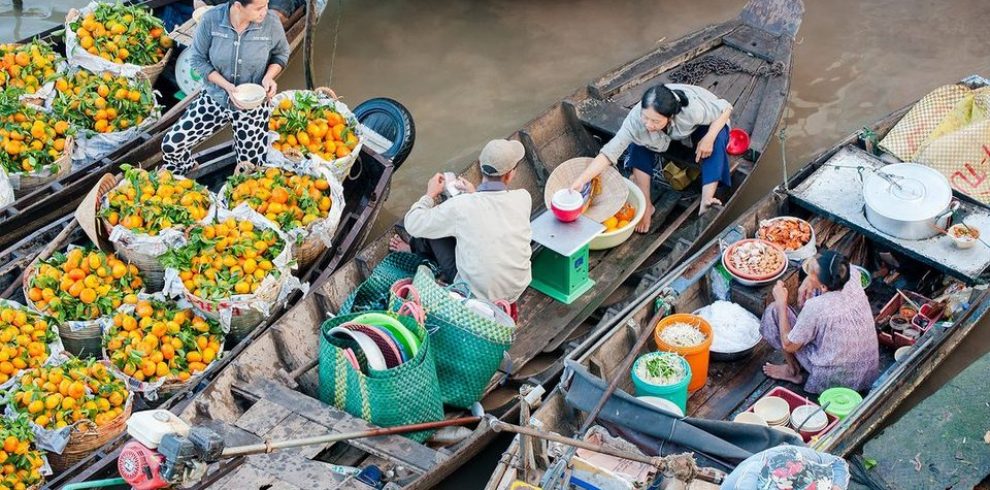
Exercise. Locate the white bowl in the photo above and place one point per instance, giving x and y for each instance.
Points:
(774, 409)
(963, 242)
(749, 418)
(815, 421)
(806, 251)
(787, 430)
(249, 95)
(662, 403)
(616, 237)
(902, 352)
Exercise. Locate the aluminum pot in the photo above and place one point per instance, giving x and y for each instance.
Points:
(908, 200)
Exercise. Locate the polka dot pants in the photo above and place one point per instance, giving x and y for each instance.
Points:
(202, 119)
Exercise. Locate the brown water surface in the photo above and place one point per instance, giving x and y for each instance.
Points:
(473, 71)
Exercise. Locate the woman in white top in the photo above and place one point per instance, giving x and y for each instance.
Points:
(672, 112)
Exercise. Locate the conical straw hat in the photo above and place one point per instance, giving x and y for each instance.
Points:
(609, 201)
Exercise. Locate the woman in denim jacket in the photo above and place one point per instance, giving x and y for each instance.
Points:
(239, 42)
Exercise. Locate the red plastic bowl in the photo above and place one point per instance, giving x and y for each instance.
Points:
(738, 142)
(566, 215)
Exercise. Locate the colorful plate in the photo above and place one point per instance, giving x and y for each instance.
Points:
(374, 356)
(407, 339)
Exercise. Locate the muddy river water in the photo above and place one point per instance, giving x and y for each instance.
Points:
(472, 71)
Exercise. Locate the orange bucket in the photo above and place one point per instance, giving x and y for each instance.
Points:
(696, 355)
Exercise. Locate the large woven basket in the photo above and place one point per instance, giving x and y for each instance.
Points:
(243, 318)
(152, 271)
(82, 444)
(83, 339)
(150, 71)
(31, 181)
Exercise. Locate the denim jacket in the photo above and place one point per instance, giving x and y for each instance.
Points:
(240, 58)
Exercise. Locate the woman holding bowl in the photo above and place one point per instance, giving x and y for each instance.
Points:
(235, 43)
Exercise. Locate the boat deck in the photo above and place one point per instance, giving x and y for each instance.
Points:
(835, 189)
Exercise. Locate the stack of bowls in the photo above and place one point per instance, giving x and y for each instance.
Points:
(384, 342)
(808, 420)
(774, 410)
(749, 418)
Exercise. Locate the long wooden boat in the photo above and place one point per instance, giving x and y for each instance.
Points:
(364, 197)
(47, 203)
(733, 386)
(250, 389)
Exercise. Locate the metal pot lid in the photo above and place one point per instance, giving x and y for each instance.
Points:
(914, 192)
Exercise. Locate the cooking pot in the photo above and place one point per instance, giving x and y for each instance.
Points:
(908, 200)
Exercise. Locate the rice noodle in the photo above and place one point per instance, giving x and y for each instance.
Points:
(661, 368)
(682, 335)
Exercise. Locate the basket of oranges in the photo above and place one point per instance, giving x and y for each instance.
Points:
(27, 339)
(80, 288)
(107, 111)
(36, 146)
(146, 214)
(23, 465)
(159, 346)
(29, 69)
(306, 204)
(119, 38)
(313, 126)
(78, 405)
(235, 270)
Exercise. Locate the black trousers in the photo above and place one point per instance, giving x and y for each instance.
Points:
(440, 251)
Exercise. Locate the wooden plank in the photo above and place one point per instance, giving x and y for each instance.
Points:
(296, 426)
(400, 448)
(262, 417)
(751, 40)
(245, 477)
(780, 17)
(601, 115)
(660, 60)
(296, 470)
(533, 155)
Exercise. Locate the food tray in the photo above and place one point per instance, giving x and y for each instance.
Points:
(897, 339)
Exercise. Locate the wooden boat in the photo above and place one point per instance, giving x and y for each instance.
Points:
(733, 386)
(47, 203)
(250, 387)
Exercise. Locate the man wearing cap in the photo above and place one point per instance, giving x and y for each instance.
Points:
(482, 236)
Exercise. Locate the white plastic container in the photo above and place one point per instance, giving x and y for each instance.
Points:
(617, 237)
(150, 426)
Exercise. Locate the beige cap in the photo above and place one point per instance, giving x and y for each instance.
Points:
(499, 157)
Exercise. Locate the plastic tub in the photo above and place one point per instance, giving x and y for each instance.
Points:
(697, 355)
(617, 237)
(842, 401)
(793, 401)
(676, 393)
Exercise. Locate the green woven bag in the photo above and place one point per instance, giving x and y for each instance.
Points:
(373, 293)
(407, 394)
(468, 347)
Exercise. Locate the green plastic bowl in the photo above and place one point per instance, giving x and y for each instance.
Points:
(842, 401)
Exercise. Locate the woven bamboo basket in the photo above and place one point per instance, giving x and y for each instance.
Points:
(150, 71)
(85, 339)
(31, 181)
(243, 319)
(152, 271)
(83, 443)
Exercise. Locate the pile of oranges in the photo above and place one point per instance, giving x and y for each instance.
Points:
(225, 259)
(31, 140)
(27, 67)
(103, 103)
(20, 466)
(82, 285)
(290, 200)
(151, 202)
(56, 396)
(24, 339)
(122, 34)
(159, 341)
(621, 219)
(312, 127)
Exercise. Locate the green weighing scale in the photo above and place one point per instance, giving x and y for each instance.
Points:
(560, 266)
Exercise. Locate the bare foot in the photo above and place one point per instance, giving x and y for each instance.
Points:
(644, 224)
(782, 372)
(397, 244)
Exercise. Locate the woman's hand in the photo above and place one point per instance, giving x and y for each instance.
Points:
(780, 293)
(705, 147)
(231, 94)
(271, 88)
